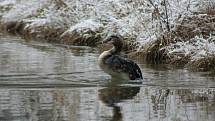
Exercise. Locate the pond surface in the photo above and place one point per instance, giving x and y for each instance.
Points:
(47, 82)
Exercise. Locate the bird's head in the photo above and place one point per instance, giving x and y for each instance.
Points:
(116, 40)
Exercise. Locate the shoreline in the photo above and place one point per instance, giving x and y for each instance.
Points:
(189, 44)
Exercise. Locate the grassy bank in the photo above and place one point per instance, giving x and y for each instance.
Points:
(173, 32)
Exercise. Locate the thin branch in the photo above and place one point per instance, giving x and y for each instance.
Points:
(167, 17)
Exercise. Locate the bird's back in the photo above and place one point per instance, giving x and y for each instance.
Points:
(121, 65)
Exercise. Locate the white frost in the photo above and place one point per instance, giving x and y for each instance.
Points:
(7, 2)
(137, 19)
(89, 24)
(23, 9)
(196, 48)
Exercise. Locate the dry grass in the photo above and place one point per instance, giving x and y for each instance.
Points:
(204, 64)
(191, 26)
(42, 33)
(199, 24)
(186, 29)
(85, 37)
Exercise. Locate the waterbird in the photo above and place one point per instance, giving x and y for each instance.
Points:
(113, 64)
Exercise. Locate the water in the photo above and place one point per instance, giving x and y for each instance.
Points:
(47, 82)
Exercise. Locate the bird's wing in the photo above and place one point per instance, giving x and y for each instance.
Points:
(119, 64)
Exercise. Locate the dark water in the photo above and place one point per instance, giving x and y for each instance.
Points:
(46, 82)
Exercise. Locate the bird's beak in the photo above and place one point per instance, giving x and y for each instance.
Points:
(106, 40)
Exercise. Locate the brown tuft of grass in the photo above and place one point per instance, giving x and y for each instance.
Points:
(196, 25)
(189, 27)
(43, 33)
(129, 45)
(208, 7)
(179, 61)
(10, 27)
(153, 53)
(85, 37)
(204, 64)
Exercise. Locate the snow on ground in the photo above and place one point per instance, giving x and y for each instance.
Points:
(23, 9)
(142, 20)
(91, 24)
(196, 48)
(7, 2)
(136, 19)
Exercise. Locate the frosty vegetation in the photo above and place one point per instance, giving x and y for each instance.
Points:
(180, 32)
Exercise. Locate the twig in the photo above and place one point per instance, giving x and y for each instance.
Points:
(167, 17)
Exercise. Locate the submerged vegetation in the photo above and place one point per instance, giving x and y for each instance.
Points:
(178, 32)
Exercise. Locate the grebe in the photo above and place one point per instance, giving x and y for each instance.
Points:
(116, 66)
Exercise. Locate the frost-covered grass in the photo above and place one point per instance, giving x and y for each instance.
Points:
(139, 19)
(196, 48)
(162, 29)
(23, 9)
(5, 6)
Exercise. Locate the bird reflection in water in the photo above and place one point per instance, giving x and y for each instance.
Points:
(114, 94)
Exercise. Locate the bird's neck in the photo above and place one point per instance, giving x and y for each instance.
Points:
(116, 50)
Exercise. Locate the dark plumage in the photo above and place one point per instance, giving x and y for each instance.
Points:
(117, 66)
